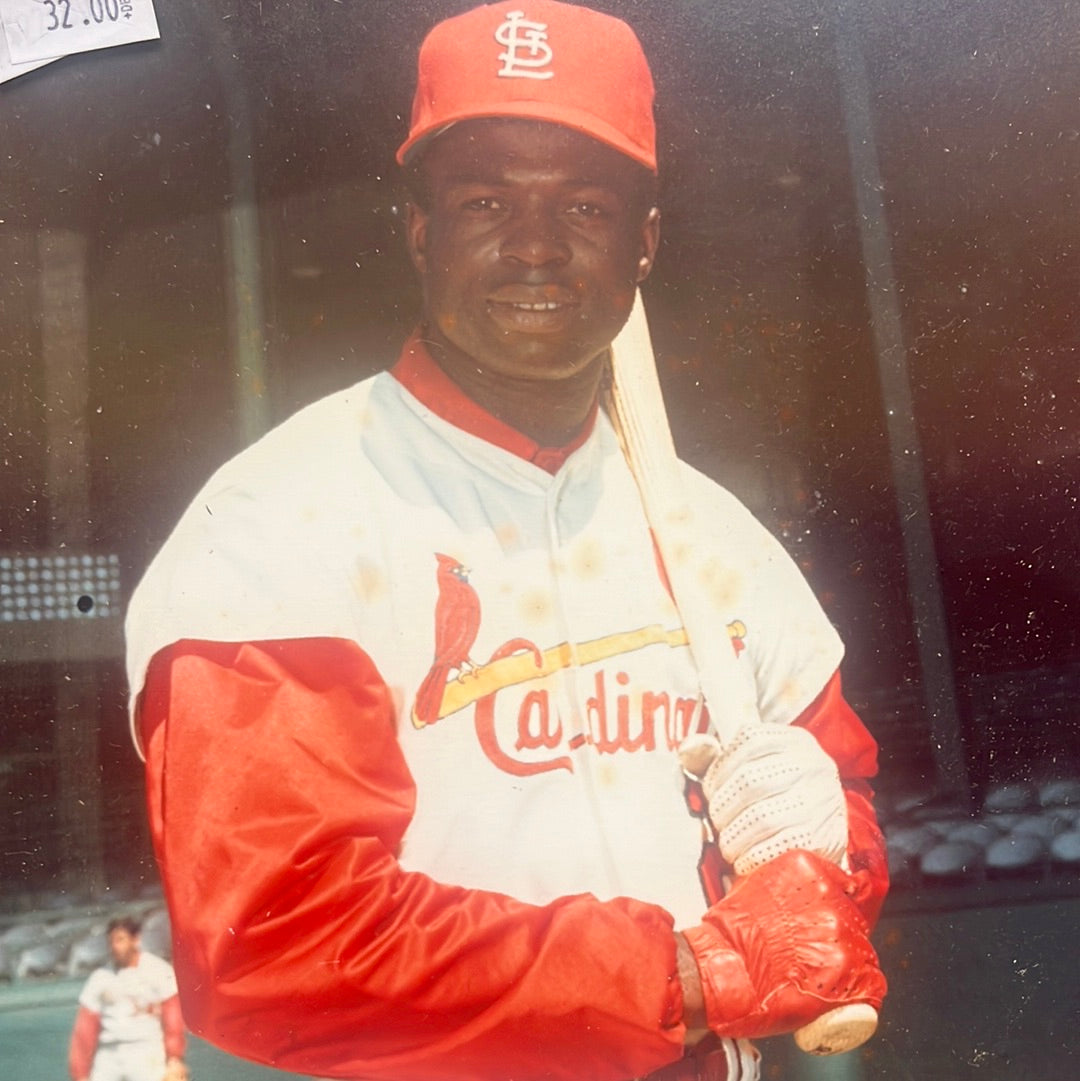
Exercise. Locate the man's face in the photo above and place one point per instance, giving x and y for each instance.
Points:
(530, 248)
(123, 946)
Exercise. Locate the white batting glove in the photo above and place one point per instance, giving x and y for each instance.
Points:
(772, 789)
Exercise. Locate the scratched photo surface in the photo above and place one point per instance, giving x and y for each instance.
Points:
(863, 308)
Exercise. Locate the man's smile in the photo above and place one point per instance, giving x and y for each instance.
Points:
(537, 317)
(530, 308)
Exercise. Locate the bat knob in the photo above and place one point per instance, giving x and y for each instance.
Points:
(841, 1029)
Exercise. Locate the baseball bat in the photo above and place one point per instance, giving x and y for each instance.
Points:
(635, 405)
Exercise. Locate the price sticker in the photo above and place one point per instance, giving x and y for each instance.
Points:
(8, 70)
(46, 29)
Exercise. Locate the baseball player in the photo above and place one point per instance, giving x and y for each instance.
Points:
(410, 682)
(128, 1026)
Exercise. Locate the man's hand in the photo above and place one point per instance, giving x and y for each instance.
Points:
(176, 1070)
(772, 789)
(786, 945)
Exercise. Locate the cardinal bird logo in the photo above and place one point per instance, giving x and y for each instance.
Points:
(457, 621)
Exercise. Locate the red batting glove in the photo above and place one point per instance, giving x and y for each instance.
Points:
(786, 945)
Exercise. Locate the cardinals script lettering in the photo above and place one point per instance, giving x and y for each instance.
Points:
(523, 734)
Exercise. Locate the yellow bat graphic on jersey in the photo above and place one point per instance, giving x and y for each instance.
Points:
(528, 664)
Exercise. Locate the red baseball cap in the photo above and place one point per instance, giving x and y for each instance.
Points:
(539, 60)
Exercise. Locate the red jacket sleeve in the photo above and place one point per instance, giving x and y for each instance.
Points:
(278, 796)
(172, 1026)
(84, 1038)
(843, 735)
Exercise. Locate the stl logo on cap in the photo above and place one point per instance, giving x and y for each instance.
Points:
(527, 50)
(540, 60)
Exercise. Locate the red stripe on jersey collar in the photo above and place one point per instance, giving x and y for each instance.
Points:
(418, 373)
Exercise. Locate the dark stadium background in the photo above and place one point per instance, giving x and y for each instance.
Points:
(865, 311)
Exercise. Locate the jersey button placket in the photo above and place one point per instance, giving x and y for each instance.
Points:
(566, 697)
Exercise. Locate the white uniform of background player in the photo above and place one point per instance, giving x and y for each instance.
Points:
(129, 1023)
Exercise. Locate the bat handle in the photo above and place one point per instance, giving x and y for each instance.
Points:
(843, 1028)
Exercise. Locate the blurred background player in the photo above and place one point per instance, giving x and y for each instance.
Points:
(128, 1026)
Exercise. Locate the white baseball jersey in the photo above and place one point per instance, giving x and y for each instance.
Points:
(129, 999)
(519, 617)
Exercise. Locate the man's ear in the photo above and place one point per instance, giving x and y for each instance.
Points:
(416, 222)
(650, 241)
